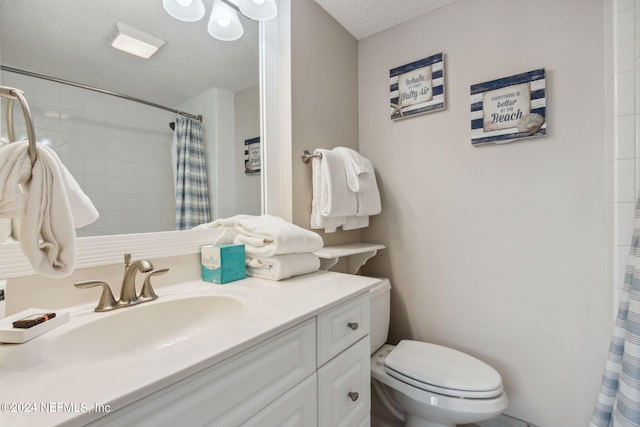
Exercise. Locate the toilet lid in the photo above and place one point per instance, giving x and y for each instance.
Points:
(442, 370)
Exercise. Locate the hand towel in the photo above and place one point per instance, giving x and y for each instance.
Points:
(50, 204)
(281, 267)
(354, 165)
(368, 197)
(268, 235)
(361, 179)
(329, 224)
(336, 199)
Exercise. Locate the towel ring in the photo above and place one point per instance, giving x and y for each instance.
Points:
(307, 156)
(12, 94)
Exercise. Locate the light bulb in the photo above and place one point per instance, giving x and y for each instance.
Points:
(184, 3)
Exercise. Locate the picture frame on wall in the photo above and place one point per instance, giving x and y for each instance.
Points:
(252, 158)
(417, 88)
(509, 109)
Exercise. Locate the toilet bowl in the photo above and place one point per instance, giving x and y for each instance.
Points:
(428, 385)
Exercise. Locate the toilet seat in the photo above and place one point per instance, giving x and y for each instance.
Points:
(442, 370)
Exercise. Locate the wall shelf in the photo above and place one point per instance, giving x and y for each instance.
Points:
(358, 253)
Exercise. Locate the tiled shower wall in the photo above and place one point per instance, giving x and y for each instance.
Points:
(119, 151)
(626, 125)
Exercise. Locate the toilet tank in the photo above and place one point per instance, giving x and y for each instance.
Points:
(380, 313)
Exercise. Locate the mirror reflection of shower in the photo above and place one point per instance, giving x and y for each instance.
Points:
(118, 150)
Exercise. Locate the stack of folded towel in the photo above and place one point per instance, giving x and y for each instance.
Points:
(276, 249)
(345, 191)
(228, 227)
(49, 203)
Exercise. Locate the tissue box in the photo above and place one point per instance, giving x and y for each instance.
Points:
(223, 264)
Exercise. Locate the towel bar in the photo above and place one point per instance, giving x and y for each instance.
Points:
(307, 156)
(12, 94)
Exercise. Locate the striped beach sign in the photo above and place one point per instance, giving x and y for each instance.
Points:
(417, 88)
(508, 109)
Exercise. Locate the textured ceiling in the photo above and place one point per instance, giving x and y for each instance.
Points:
(65, 39)
(363, 18)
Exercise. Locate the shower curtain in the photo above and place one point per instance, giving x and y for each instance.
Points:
(619, 399)
(192, 193)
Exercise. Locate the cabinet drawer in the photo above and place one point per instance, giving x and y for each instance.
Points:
(341, 327)
(229, 392)
(297, 408)
(344, 391)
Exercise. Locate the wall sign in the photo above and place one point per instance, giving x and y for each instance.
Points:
(509, 109)
(417, 88)
(252, 156)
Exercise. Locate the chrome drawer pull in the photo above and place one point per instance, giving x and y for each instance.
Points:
(353, 395)
(352, 325)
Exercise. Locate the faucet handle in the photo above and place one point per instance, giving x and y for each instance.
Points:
(107, 302)
(127, 259)
(147, 293)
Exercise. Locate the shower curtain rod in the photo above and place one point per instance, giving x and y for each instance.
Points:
(95, 89)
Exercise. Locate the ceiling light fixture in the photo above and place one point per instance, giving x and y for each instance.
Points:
(134, 41)
(185, 10)
(223, 23)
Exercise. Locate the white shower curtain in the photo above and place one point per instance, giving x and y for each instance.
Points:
(192, 193)
(619, 400)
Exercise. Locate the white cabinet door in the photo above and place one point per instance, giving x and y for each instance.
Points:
(344, 392)
(296, 408)
(231, 391)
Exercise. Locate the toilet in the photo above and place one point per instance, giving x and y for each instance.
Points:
(427, 385)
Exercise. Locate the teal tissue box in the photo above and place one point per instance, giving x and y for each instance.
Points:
(223, 264)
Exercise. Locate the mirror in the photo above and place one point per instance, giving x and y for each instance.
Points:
(119, 150)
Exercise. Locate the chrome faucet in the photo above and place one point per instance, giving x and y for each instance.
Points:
(128, 294)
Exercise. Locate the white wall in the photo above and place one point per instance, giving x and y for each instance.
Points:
(499, 251)
(117, 150)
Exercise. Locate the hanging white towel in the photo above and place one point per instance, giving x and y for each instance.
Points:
(361, 179)
(354, 165)
(336, 199)
(281, 267)
(329, 224)
(50, 204)
(268, 235)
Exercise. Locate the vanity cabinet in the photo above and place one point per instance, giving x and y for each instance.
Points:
(313, 374)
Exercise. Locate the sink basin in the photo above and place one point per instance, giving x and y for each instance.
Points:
(143, 328)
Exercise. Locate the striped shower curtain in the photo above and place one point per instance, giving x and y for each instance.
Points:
(619, 399)
(192, 193)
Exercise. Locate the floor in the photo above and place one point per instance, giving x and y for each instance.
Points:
(501, 421)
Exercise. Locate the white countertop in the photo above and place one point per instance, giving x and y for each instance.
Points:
(33, 386)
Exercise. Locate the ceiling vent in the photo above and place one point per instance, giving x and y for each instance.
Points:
(134, 41)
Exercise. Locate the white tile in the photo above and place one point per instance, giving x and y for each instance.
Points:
(624, 181)
(625, 55)
(620, 5)
(624, 26)
(620, 254)
(46, 93)
(625, 97)
(623, 223)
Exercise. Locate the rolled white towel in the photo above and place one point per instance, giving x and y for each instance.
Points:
(281, 267)
(268, 235)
